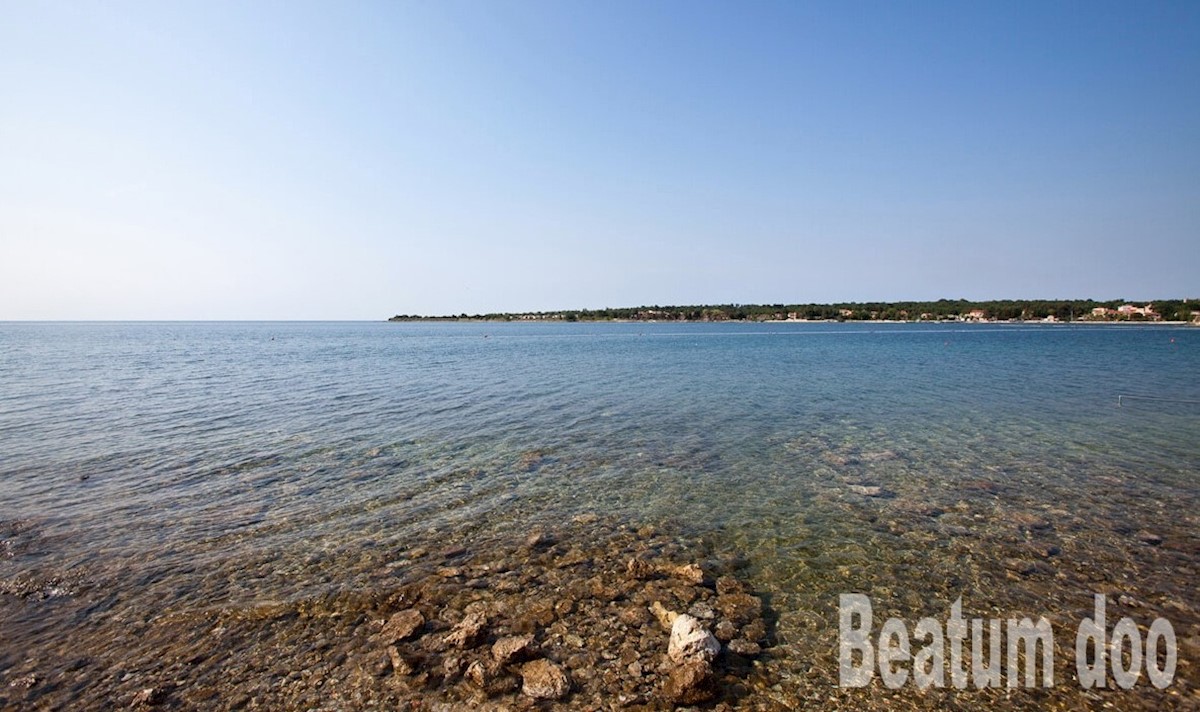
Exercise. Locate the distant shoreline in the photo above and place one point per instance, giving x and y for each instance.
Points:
(1076, 311)
(1081, 322)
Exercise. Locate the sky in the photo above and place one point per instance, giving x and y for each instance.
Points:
(355, 160)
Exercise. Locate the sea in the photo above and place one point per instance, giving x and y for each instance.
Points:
(157, 469)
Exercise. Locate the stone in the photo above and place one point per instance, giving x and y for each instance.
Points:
(453, 552)
(728, 584)
(479, 674)
(511, 647)
(539, 540)
(690, 639)
(741, 646)
(452, 666)
(400, 666)
(1020, 566)
(1127, 600)
(690, 683)
(490, 677)
(1150, 538)
(691, 573)
(725, 630)
(755, 630)
(402, 625)
(665, 617)
(543, 680)
(149, 696)
(1028, 521)
(634, 616)
(641, 569)
(468, 630)
(739, 607)
(702, 610)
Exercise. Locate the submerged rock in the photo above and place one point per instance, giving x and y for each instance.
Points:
(725, 630)
(539, 540)
(149, 696)
(728, 584)
(690, 683)
(755, 630)
(542, 679)
(400, 666)
(468, 631)
(1150, 538)
(641, 569)
(402, 625)
(690, 573)
(741, 646)
(741, 608)
(479, 673)
(511, 647)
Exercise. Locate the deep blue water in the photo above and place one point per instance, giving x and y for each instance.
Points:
(165, 451)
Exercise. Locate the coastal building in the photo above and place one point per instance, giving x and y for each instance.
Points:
(1132, 311)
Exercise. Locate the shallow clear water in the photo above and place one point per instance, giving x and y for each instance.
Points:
(159, 457)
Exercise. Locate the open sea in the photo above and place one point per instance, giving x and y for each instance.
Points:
(172, 471)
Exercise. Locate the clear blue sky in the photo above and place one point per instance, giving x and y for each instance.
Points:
(256, 160)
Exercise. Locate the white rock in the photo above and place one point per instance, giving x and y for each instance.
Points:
(691, 640)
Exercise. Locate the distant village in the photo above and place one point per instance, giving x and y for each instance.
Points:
(1177, 311)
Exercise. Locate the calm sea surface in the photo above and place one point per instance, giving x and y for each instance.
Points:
(1012, 465)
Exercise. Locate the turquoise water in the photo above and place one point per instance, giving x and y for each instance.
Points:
(159, 457)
